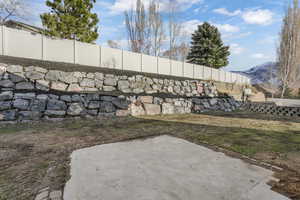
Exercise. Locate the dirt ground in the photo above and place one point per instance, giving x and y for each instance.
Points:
(36, 155)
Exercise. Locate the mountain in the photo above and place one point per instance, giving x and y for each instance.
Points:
(261, 74)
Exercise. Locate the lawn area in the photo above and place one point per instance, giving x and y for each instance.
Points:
(36, 155)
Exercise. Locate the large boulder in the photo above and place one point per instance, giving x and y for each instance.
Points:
(75, 109)
(21, 104)
(152, 109)
(56, 105)
(8, 95)
(137, 110)
(7, 84)
(168, 109)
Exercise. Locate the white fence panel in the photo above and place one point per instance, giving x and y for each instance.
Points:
(87, 54)
(199, 72)
(228, 77)
(177, 68)
(132, 61)
(149, 64)
(1, 38)
(22, 44)
(58, 50)
(206, 73)
(111, 58)
(215, 74)
(188, 70)
(234, 77)
(164, 66)
(222, 76)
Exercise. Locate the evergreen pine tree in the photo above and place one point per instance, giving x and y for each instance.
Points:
(71, 19)
(207, 47)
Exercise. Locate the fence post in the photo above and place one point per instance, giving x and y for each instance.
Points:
(3, 39)
(42, 43)
(122, 59)
(194, 71)
(157, 65)
(100, 52)
(141, 62)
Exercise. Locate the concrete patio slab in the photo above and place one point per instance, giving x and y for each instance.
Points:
(164, 168)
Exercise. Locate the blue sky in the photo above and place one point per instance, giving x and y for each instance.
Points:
(250, 27)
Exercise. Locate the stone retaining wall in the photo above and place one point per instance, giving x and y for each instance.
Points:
(34, 93)
(273, 109)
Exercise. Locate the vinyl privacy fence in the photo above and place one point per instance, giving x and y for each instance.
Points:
(24, 44)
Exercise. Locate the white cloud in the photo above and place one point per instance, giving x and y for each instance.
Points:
(122, 5)
(227, 28)
(259, 56)
(236, 49)
(224, 11)
(260, 17)
(190, 26)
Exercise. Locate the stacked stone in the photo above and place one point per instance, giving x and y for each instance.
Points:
(33, 106)
(215, 104)
(31, 78)
(272, 108)
(148, 105)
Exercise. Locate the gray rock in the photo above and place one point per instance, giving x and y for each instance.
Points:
(28, 96)
(122, 113)
(16, 78)
(38, 105)
(8, 115)
(55, 113)
(53, 75)
(7, 84)
(24, 86)
(157, 100)
(137, 110)
(56, 105)
(29, 115)
(213, 102)
(90, 75)
(179, 110)
(94, 105)
(152, 109)
(74, 88)
(53, 96)
(99, 76)
(107, 98)
(41, 70)
(92, 97)
(110, 81)
(106, 107)
(146, 99)
(75, 109)
(121, 103)
(42, 97)
(77, 98)
(66, 98)
(98, 84)
(92, 112)
(123, 85)
(21, 104)
(14, 69)
(42, 85)
(138, 90)
(108, 88)
(59, 86)
(5, 105)
(68, 77)
(168, 108)
(87, 83)
(33, 75)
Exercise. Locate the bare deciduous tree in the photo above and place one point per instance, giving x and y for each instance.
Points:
(288, 51)
(156, 25)
(135, 21)
(178, 52)
(13, 8)
(175, 28)
(145, 28)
